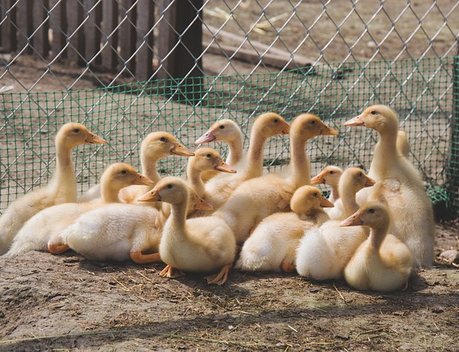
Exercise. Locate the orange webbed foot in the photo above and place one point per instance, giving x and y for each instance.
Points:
(221, 277)
(287, 266)
(170, 272)
(57, 248)
(140, 258)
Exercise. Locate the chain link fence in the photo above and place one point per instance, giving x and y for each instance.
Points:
(129, 67)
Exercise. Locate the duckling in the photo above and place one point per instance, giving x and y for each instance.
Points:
(61, 189)
(154, 147)
(273, 243)
(329, 176)
(401, 185)
(382, 262)
(265, 126)
(204, 244)
(39, 231)
(227, 131)
(324, 252)
(259, 197)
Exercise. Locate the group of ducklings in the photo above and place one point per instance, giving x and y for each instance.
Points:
(373, 230)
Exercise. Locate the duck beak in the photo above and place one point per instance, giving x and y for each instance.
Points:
(328, 131)
(181, 150)
(318, 179)
(224, 167)
(152, 195)
(143, 180)
(353, 220)
(203, 205)
(325, 203)
(95, 139)
(370, 182)
(285, 127)
(355, 121)
(206, 138)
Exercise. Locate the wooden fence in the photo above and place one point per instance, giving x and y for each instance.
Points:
(110, 35)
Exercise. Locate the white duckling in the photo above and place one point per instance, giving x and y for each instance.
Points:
(265, 126)
(330, 176)
(382, 262)
(154, 147)
(401, 185)
(229, 132)
(324, 252)
(61, 189)
(39, 231)
(204, 244)
(259, 197)
(272, 245)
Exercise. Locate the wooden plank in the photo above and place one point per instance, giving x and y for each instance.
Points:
(58, 25)
(8, 32)
(109, 36)
(180, 26)
(93, 10)
(75, 37)
(128, 35)
(24, 23)
(144, 56)
(40, 40)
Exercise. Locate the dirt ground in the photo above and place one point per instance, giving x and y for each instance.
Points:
(66, 302)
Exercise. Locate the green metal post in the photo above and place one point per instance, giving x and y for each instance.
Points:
(452, 171)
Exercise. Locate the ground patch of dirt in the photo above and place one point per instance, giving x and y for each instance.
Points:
(66, 302)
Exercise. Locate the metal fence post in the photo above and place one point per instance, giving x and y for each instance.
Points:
(452, 171)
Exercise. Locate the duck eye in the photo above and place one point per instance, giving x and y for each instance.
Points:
(312, 122)
(316, 195)
(371, 211)
(76, 130)
(123, 172)
(374, 112)
(222, 127)
(163, 139)
(276, 120)
(208, 155)
(331, 172)
(169, 186)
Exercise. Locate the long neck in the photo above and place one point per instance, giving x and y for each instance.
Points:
(385, 154)
(235, 150)
(178, 217)
(377, 235)
(334, 196)
(64, 179)
(350, 205)
(109, 194)
(254, 166)
(299, 162)
(149, 168)
(195, 181)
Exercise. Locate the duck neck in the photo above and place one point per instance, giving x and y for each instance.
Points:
(149, 168)
(254, 166)
(234, 150)
(299, 162)
(64, 179)
(178, 216)
(377, 235)
(317, 215)
(334, 196)
(350, 205)
(195, 181)
(385, 154)
(108, 193)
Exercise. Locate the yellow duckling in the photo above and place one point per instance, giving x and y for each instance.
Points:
(259, 197)
(324, 252)
(382, 262)
(265, 126)
(272, 245)
(204, 244)
(39, 232)
(330, 176)
(227, 131)
(400, 185)
(61, 189)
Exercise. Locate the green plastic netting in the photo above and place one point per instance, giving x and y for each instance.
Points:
(420, 90)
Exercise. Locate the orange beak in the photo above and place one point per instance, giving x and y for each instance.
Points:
(151, 196)
(206, 138)
(328, 131)
(285, 127)
(355, 121)
(224, 167)
(95, 139)
(318, 179)
(370, 182)
(181, 150)
(143, 180)
(201, 204)
(353, 220)
(325, 203)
